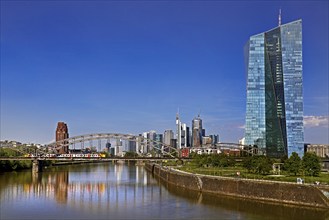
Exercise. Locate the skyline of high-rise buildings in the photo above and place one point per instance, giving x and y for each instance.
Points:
(274, 113)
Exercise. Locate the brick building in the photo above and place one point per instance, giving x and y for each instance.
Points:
(62, 133)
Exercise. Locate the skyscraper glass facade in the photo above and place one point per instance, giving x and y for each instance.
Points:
(274, 116)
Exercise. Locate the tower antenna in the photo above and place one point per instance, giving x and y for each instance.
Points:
(280, 17)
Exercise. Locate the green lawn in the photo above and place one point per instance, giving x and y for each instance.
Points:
(232, 172)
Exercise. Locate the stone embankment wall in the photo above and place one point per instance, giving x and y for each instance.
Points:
(270, 191)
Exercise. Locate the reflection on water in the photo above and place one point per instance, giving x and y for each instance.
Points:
(89, 182)
(102, 191)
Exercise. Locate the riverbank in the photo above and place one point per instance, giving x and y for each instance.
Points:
(268, 191)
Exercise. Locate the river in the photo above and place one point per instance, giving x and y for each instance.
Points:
(122, 191)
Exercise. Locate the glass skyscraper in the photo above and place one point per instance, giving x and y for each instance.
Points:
(274, 116)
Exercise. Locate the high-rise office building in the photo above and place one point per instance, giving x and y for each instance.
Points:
(108, 146)
(151, 136)
(158, 145)
(118, 148)
(182, 135)
(214, 138)
(188, 137)
(197, 132)
(139, 143)
(62, 132)
(178, 131)
(144, 143)
(274, 117)
(167, 139)
(168, 135)
(130, 146)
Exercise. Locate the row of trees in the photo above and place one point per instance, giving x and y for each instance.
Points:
(213, 160)
(258, 164)
(309, 165)
(7, 165)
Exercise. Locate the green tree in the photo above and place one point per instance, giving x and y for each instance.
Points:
(263, 165)
(258, 164)
(198, 160)
(215, 160)
(226, 161)
(247, 163)
(293, 164)
(311, 164)
(208, 160)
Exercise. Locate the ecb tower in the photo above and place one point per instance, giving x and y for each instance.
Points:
(274, 113)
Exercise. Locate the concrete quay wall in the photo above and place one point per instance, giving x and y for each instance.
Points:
(269, 191)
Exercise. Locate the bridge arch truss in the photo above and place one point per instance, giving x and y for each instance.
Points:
(140, 141)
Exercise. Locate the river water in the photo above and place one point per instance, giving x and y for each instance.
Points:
(122, 191)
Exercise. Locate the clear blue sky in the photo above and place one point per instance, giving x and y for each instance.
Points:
(127, 66)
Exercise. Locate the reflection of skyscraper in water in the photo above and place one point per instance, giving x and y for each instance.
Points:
(197, 132)
(141, 175)
(131, 174)
(137, 174)
(145, 178)
(118, 168)
(61, 186)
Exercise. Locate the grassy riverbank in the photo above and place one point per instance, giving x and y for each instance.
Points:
(233, 171)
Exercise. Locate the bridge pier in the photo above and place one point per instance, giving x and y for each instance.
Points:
(36, 166)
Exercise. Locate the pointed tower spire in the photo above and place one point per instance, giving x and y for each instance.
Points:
(280, 17)
(177, 114)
